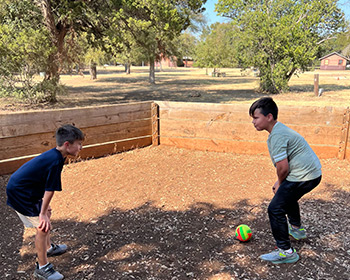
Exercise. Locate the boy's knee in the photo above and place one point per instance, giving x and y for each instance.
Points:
(275, 208)
(42, 233)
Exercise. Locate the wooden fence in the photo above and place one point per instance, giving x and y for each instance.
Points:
(108, 129)
(229, 128)
(199, 126)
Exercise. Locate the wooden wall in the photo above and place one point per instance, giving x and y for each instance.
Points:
(108, 129)
(229, 128)
(198, 126)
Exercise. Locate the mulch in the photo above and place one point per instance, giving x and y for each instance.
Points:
(168, 213)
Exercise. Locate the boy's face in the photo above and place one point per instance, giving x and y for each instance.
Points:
(75, 148)
(260, 121)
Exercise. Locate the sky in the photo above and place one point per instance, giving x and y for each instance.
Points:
(212, 17)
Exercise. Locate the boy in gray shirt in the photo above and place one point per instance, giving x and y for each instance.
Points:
(298, 172)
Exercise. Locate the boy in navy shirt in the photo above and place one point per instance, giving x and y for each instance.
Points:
(30, 191)
(298, 172)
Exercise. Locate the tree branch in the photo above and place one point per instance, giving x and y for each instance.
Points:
(325, 39)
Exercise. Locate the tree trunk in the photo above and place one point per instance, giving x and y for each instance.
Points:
(128, 68)
(52, 70)
(93, 71)
(58, 31)
(152, 78)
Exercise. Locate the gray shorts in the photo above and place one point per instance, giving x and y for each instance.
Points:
(29, 222)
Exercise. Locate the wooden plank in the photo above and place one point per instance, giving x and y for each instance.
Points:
(212, 130)
(238, 147)
(344, 137)
(330, 116)
(347, 154)
(321, 135)
(155, 124)
(22, 123)
(118, 131)
(24, 129)
(38, 143)
(99, 150)
(8, 167)
(92, 151)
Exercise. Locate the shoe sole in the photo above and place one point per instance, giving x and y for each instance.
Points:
(297, 238)
(41, 277)
(57, 254)
(291, 260)
(38, 276)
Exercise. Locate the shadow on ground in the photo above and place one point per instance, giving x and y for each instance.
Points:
(325, 87)
(11, 236)
(151, 243)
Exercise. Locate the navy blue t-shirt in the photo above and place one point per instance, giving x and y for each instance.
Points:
(28, 184)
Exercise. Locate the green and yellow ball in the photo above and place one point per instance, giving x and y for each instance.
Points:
(243, 233)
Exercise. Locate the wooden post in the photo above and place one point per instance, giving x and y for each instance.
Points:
(155, 124)
(344, 135)
(316, 82)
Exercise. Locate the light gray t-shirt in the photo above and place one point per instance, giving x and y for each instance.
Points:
(284, 142)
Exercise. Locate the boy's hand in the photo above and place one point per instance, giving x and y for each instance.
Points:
(275, 187)
(45, 223)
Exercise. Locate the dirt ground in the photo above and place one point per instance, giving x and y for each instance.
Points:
(170, 214)
(167, 213)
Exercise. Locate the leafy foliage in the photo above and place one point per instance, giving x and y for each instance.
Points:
(281, 36)
(152, 27)
(24, 51)
(217, 47)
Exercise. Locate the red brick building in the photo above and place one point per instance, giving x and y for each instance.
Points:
(334, 61)
(166, 62)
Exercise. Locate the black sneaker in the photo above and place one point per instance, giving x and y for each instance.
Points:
(56, 250)
(47, 273)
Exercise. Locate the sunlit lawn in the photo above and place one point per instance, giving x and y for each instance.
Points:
(193, 85)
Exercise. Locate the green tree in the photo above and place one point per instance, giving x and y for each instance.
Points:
(281, 36)
(186, 45)
(24, 50)
(56, 25)
(153, 25)
(343, 43)
(61, 18)
(217, 47)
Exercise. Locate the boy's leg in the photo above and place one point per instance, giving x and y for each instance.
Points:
(277, 214)
(279, 226)
(299, 191)
(293, 213)
(41, 246)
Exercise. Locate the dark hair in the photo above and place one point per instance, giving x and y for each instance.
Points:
(266, 106)
(68, 133)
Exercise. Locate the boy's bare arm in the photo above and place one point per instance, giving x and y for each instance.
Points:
(282, 168)
(45, 213)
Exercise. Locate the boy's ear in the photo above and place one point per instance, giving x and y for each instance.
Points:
(270, 117)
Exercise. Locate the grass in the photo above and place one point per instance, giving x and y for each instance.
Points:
(190, 85)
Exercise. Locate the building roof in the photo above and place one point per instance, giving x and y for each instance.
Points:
(335, 54)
